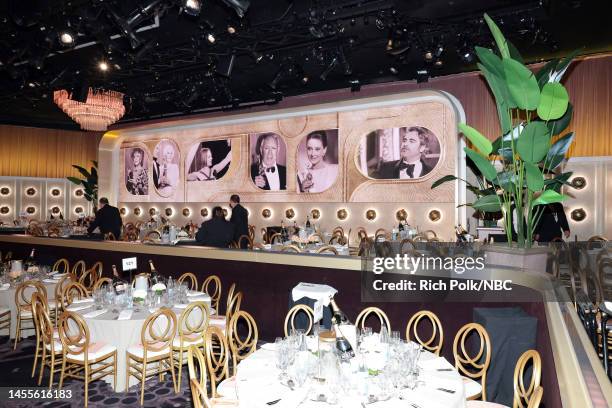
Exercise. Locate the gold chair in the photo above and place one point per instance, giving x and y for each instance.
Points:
(190, 280)
(536, 397)
(429, 234)
(294, 311)
(100, 283)
(197, 382)
(61, 266)
(251, 232)
(596, 239)
(242, 345)
(217, 357)
(156, 338)
(264, 236)
(291, 248)
(98, 267)
(78, 269)
(109, 236)
(275, 236)
(88, 279)
(80, 355)
(38, 302)
(381, 232)
(431, 344)
(72, 291)
(215, 292)
(59, 288)
(338, 238)
(522, 394)
(476, 366)
(248, 240)
(49, 340)
(192, 324)
(234, 300)
(318, 236)
(5, 319)
(365, 313)
(23, 303)
(327, 248)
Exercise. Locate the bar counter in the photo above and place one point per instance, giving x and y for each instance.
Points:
(266, 280)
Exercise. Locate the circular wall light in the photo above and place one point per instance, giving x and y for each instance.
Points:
(266, 213)
(169, 211)
(186, 212)
(152, 212)
(55, 192)
(5, 191)
(123, 210)
(371, 215)
(55, 210)
(342, 214)
(434, 215)
(78, 192)
(137, 211)
(579, 183)
(315, 213)
(30, 191)
(401, 215)
(204, 212)
(289, 213)
(578, 214)
(4, 210)
(31, 210)
(78, 210)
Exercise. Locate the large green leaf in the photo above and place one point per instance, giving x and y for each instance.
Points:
(514, 52)
(543, 74)
(506, 180)
(500, 40)
(75, 180)
(549, 197)
(553, 101)
(532, 144)
(490, 60)
(522, 84)
(81, 170)
(558, 181)
(503, 99)
(476, 138)
(535, 180)
(483, 164)
(559, 125)
(556, 153)
(488, 203)
(560, 69)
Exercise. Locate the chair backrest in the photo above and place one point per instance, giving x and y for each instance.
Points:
(412, 331)
(473, 366)
(98, 267)
(362, 317)
(295, 311)
(429, 234)
(197, 377)
(42, 321)
(23, 293)
(251, 233)
(61, 266)
(233, 305)
(365, 246)
(274, 237)
(248, 239)
(214, 292)
(73, 334)
(594, 240)
(327, 248)
(78, 268)
(193, 322)
(291, 248)
(101, 282)
(536, 397)
(189, 279)
(109, 236)
(381, 232)
(70, 292)
(522, 393)
(89, 278)
(217, 356)
(158, 331)
(338, 238)
(264, 236)
(242, 335)
(61, 284)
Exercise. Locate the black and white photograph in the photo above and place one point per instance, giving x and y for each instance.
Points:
(208, 160)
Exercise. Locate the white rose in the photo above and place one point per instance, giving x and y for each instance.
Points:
(158, 287)
(139, 293)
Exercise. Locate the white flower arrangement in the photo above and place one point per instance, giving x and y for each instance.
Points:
(158, 288)
(139, 295)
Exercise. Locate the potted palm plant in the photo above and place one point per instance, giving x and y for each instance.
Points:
(533, 111)
(89, 183)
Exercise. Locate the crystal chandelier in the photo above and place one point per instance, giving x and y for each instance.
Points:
(102, 108)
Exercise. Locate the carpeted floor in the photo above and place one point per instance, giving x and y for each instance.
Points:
(16, 367)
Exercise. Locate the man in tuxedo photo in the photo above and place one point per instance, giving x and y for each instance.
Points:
(267, 174)
(414, 142)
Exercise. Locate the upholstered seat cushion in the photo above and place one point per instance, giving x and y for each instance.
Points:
(188, 341)
(218, 321)
(227, 388)
(57, 346)
(95, 351)
(138, 351)
(472, 388)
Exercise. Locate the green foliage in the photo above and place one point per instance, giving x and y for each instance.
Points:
(556, 153)
(89, 181)
(553, 101)
(483, 164)
(478, 140)
(522, 84)
(533, 142)
(489, 203)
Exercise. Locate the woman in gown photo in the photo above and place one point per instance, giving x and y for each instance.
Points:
(316, 174)
(204, 165)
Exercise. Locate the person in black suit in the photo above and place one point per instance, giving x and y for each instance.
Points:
(107, 219)
(413, 145)
(216, 232)
(240, 219)
(267, 174)
(553, 224)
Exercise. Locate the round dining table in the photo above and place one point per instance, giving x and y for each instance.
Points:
(122, 329)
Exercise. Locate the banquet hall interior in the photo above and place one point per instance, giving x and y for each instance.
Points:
(283, 203)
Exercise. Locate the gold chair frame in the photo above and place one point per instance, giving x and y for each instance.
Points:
(248, 239)
(101, 282)
(217, 357)
(44, 329)
(327, 248)
(215, 296)
(362, 317)
(69, 292)
(99, 268)
(59, 288)
(190, 333)
(23, 306)
(536, 397)
(242, 347)
(291, 248)
(290, 317)
(522, 394)
(5, 319)
(274, 236)
(192, 283)
(437, 331)
(90, 275)
(464, 360)
(78, 268)
(61, 263)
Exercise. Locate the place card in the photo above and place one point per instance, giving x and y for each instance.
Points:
(125, 314)
(94, 313)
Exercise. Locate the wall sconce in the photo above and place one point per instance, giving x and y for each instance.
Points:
(123, 210)
(152, 212)
(55, 192)
(137, 211)
(78, 192)
(435, 215)
(204, 212)
(30, 191)
(186, 212)
(266, 213)
(342, 214)
(578, 214)
(401, 215)
(4, 210)
(371, 215)
(289, 213)
(31, 210)
(55, 210)
(579, 183)
(168, 211)
(315, 213)
(78, 210)
(5, 191)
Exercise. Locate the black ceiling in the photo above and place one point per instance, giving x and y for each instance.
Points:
(162, 59)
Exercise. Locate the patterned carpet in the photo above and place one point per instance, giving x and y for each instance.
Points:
(16, 367)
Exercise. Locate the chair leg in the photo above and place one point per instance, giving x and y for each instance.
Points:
(51, 371)
(42, 365)
(17, 331)
(115, 372)
(127, 371)
(36, 354)
(86, 376)
(172, 371)
(142, 382)
(62, 373)
(180, 371)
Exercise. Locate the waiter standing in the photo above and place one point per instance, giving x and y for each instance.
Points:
(107, 219)
(552, 224)
(240, 219)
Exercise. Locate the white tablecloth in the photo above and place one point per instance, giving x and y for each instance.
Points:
(257, 384)
(7, 299)
(123, 334)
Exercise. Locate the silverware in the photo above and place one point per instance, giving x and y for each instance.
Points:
(413, 405)
(444, 369)
(273, 402)
(446, 390)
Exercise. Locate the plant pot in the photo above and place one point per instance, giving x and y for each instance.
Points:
(532, 259)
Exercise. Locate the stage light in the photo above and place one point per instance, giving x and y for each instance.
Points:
(438, 63)
(355, 85)
(67, 38)
(103, 66)
(192, 7)
(393, 70)
(428, 55)
(231, 29)
(211, 38)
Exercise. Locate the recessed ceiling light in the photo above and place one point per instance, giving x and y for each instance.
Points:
(211, 38)
(428, 55)
(103, 66)
(231, 29)
(192, 7)
(393, 70)
(67, 38)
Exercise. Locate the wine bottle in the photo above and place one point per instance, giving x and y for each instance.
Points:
(307, 221)
(155, 277)
(340, 323)
(118, 283)
(30, 262)
(337, 313)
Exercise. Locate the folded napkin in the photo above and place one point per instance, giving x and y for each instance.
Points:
(53, 273)
(125, 314)
(95, 313)
(49, 280)
(320, 293)
(195, 293)
(74, 308)
(269, 346)
(434, 364)
(181, 306)
(5, 286)
(84, 300)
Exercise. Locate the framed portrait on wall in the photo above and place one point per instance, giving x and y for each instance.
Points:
(405, 153)
(317, 161)
(136, 165)
(208, 160)
(166, 174)
(268, 161)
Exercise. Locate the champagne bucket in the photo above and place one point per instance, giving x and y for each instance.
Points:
(17, 266)
(141, 283)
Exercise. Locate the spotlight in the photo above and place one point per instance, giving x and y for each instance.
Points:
(103, 66)
(231, 29)
(422, 76)
(467, 56)
(428, 55)
(393, 70)
(192, 7)
(305, 79)
(67, 38)
(211, 38)
(438, 63)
